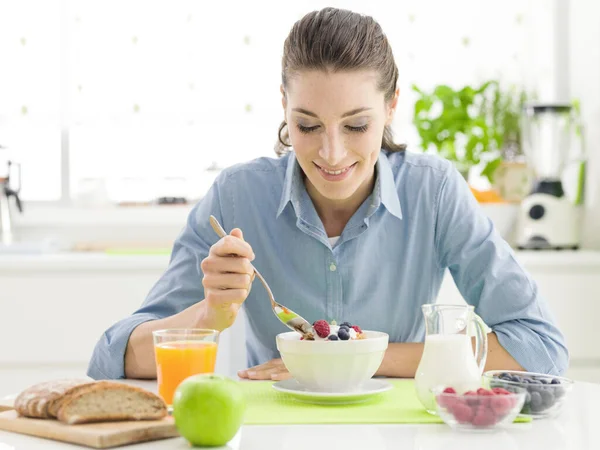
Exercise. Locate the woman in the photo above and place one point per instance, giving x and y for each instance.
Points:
(347, 226)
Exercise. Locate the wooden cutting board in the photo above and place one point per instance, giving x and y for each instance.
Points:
(7, 403)
(95, 435)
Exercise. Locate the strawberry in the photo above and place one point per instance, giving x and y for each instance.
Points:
(321, 328)
(357, 329)
(449, 390)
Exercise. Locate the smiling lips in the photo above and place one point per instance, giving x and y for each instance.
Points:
(337, 174)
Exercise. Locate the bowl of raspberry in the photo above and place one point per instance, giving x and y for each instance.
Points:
(341, 358)
(481, 410)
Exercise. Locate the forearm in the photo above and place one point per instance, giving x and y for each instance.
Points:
(139, 356)
(401, 360)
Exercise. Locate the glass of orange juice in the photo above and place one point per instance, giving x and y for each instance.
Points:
(180, 353)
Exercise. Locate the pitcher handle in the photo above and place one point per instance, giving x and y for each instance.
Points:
(481, 343)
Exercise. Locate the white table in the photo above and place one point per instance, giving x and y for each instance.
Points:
(577, 428)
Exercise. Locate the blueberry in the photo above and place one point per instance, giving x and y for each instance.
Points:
(344, 327)
(536, 401)
(346, 324)
(516, 379)
(527, 397)
(343, 334)
(548, 398)
(558, 392)
(332, 337)
(555, 381)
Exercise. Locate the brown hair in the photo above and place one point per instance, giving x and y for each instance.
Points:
(335, 40)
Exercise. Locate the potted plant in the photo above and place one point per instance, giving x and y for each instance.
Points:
(470, 126)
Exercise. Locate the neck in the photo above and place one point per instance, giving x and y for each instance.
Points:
(335, 214)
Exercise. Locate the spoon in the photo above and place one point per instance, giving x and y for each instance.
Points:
(288, 317)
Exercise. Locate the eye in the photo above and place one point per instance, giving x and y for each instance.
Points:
(360, 129)
(304, 129)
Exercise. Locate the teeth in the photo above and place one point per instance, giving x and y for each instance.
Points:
(335, 172)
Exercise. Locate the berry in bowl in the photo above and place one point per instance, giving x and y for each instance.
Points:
(340, 359)
(481, 410)
(545, 393)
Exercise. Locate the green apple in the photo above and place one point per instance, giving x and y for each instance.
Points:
(208, 409)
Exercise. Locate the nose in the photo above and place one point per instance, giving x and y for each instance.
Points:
(332, 150)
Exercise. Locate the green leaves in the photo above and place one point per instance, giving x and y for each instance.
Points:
(469, 125)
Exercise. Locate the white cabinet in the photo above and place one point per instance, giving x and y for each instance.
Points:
(53, 309)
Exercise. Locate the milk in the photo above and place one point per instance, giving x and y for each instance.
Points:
(447, 361)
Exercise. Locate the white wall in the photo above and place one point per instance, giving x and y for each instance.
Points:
(584, 83)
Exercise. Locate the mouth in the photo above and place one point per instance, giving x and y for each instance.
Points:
(335, 174)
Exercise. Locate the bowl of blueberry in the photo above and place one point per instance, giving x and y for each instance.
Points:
(340, 358)
(480, 410)
(545, 396)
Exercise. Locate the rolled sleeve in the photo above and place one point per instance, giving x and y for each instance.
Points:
(108, 358)
(177, 289)
(489, 277)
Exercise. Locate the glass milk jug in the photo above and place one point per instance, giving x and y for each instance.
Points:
(448, 359)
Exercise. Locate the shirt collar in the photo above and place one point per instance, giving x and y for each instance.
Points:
(384, 192)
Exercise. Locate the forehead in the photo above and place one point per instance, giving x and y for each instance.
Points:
(318, 90)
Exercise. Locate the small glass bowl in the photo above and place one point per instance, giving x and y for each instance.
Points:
(545, 396)
(476, 411)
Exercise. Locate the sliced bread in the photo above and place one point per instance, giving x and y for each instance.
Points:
(36, 400)
(105, 401)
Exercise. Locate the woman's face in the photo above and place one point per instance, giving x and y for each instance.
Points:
(336, 123)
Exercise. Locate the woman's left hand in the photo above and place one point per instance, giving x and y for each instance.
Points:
(272, 370)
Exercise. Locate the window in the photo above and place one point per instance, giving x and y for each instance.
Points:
(150, 94)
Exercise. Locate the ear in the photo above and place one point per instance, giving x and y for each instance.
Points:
(283, 98)
(392, 107)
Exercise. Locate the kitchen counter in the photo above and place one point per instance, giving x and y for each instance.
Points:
(581, 260)
(575, 428)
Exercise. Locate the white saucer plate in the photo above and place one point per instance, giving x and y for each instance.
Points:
(367, 391)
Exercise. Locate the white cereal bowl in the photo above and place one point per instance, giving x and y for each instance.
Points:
(332, 366)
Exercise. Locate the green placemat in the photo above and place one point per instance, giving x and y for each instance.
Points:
(266, 406)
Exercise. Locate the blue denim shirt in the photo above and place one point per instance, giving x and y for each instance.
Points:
(390, 259)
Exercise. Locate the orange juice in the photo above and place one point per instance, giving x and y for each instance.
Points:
(175, 361)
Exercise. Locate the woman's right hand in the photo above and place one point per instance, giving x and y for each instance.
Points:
(228, 276)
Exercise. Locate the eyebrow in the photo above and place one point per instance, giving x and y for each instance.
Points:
(347, 114)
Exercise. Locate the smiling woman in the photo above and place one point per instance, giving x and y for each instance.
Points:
(343, 225)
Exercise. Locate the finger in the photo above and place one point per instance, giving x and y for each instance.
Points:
(226, 264)
(237, 233)
(274, 363)
(231, 245)
(227, 281)
(263, 374)
(285, 375)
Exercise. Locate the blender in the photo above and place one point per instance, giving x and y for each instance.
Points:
(548, 219)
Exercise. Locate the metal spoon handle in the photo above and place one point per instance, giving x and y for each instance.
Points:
(221, 233)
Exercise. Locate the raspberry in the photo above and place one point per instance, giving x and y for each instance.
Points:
(484, 417)
(471, 398)
(500, 405)
(500, 391)
(449, 390)
(322, 328)
(462, 412)
(484, 393)
(357, 329)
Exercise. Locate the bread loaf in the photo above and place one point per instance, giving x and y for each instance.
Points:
(82, 401)
(36, 400)
(105, 401)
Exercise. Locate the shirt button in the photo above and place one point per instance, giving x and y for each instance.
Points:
(332, 267)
